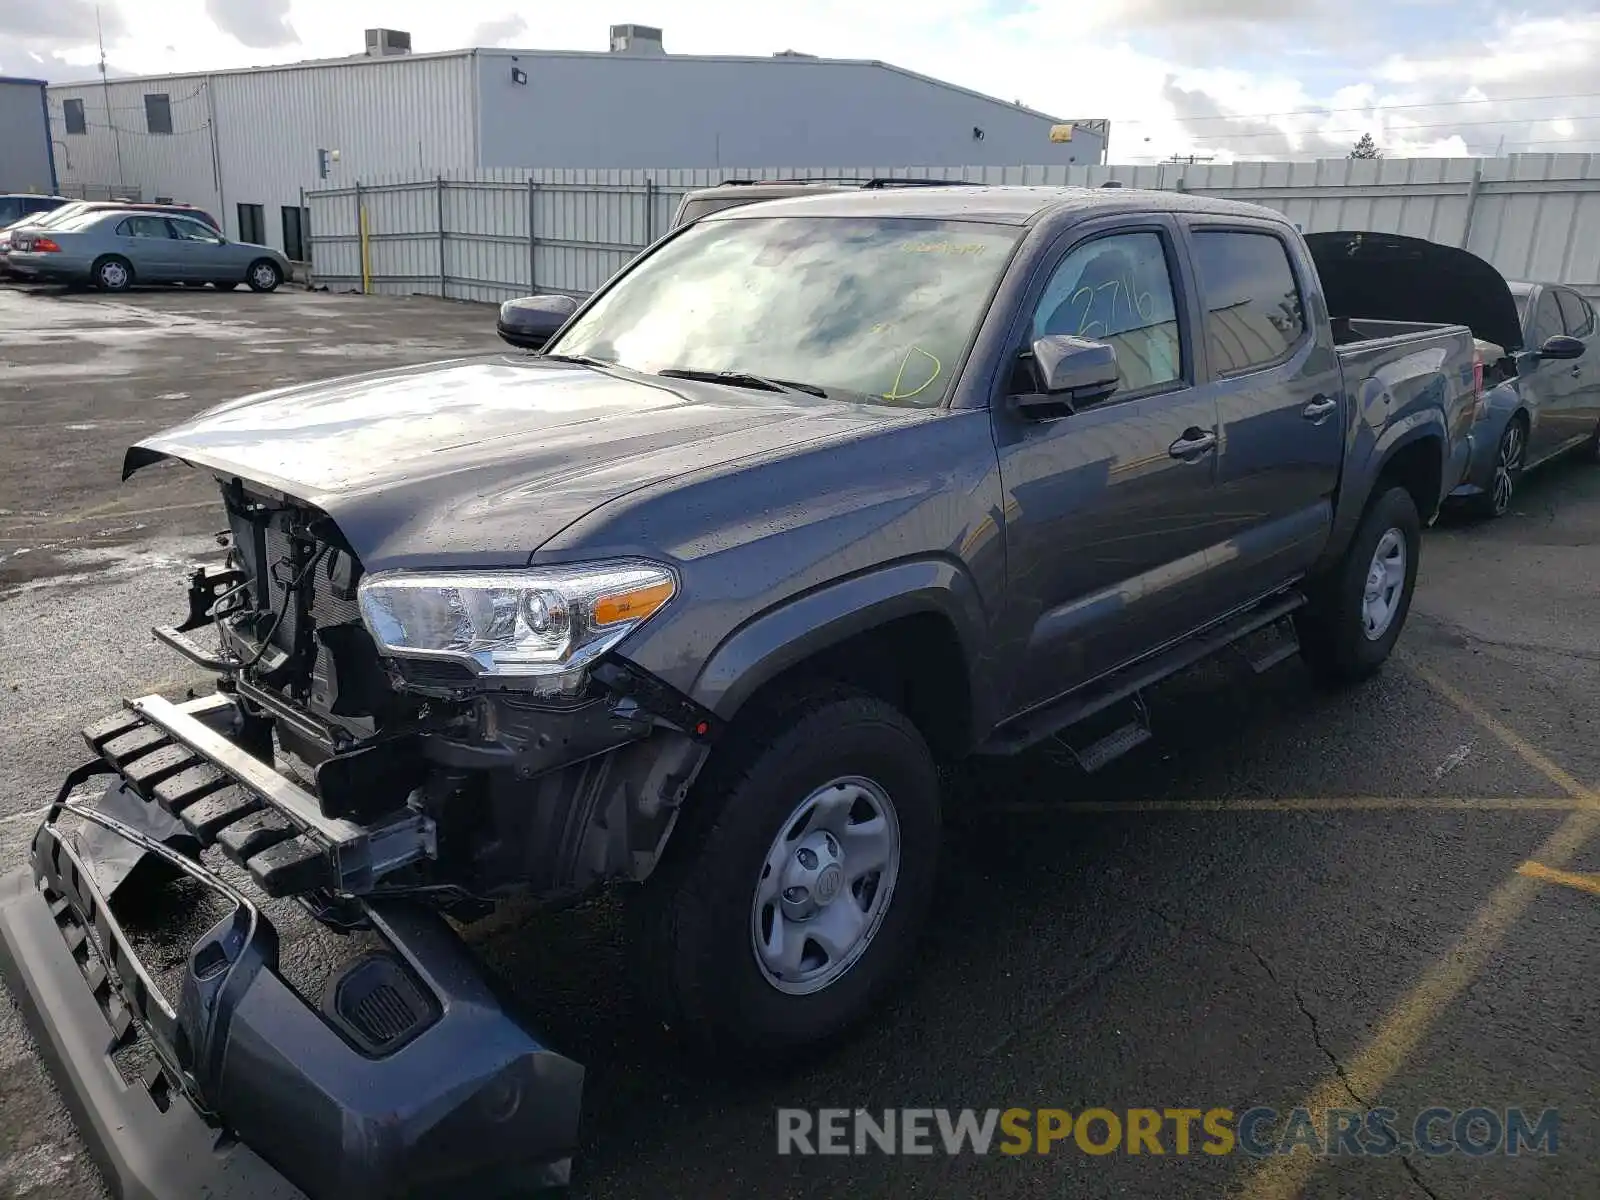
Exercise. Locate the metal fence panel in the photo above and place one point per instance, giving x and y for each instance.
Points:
(487, 235)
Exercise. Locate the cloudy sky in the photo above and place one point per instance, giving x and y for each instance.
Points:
(1224, 79)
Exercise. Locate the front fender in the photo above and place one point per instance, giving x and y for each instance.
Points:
(798, 628)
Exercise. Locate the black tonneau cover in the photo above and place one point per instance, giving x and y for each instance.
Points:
(1384, 276)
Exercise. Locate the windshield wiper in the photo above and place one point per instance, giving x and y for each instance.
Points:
(583, 360)
(745, 380)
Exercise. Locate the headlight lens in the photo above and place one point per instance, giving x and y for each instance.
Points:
(542, 625)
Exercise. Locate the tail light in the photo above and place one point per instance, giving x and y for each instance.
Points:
(45, 246)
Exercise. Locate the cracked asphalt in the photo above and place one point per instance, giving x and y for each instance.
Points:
(1289, 897)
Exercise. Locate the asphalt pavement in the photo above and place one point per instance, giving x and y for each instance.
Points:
(1378, 898)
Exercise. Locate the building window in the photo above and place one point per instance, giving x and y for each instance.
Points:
(252, 223)
(297, 233)
(157, 113)
(72, 111)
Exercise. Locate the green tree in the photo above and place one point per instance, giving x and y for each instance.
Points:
(1366, 148)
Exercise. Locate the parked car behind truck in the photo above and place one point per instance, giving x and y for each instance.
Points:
(1544, 398)
(115, 248)
(811, 497)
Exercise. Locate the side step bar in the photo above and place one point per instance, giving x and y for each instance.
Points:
(264, 820)
(1034, 727)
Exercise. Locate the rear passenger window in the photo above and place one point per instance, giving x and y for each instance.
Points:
(1118, 290)
(1254, 315)
(1577, 316)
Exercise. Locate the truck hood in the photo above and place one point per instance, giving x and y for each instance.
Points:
(1386, 277)
(478, 462)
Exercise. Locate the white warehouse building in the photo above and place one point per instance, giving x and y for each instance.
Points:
(244, 143)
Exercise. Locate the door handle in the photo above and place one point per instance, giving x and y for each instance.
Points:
(1320, 408)
(1577, 372)
(1193, 444)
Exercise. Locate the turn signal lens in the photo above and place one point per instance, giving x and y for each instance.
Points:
(46, 246)
(634, 605)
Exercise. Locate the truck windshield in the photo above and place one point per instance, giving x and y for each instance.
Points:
(865, 308)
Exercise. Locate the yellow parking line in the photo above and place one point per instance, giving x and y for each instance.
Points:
(1408, 1022)
(1309, 804)
(1584, 883)
(1513, 741)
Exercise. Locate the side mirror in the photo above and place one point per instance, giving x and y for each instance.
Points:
(1562, 346)
(1070, 371)
(530, 322)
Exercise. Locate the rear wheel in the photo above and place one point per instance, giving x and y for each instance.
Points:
(1591, 448)
(263, 275)
(797, 883)
(113, 274)
(1509, 458)
(1355, 613)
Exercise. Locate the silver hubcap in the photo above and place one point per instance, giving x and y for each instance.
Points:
(1506, 467)
(113, 275)
(265, 276)
(1386, 581)
(825, 885)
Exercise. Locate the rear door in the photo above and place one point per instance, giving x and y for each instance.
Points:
(1109, 509)
(147, 243)
(1271, 368)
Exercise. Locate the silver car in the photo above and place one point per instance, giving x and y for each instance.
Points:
(1543, 396)
(114, 249)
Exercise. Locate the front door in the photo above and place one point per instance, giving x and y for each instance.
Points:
(1280, 404)
(1578, 417)
(1551, 387)
(1109, 509)
(199, 253)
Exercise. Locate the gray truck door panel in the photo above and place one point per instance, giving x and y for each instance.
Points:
(1275, 379)
(1107, 531)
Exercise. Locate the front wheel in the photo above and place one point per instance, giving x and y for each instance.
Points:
(264, 276)
(799, 891)
(1509, 458)
(1356, 612)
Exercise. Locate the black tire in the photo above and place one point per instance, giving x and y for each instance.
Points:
(264, 275)
(1510, 456)
(224, 285)
(692, 925)
(112, 273)
(1333, 627)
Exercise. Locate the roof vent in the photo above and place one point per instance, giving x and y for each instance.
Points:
(636, 39)
(385, 43)
(792, 54)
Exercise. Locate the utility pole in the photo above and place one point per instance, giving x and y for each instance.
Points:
(1187, 160)
(105, 86)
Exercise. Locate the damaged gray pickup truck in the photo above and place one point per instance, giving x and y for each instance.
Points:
(813, 496)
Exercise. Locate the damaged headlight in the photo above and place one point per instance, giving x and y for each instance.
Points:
(543, 625)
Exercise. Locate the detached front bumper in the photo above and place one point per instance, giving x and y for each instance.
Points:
(409, 1078)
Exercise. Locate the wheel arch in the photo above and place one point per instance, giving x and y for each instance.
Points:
(905, 632)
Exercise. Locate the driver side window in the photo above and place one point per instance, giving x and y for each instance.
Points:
(1547, 322)
(1118, 290)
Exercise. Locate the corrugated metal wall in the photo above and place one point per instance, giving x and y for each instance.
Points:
(25, 163)
(488, 235)
(381, 115)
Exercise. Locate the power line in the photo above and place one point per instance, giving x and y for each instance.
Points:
(1367, 128)
(1330, 109)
